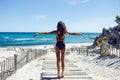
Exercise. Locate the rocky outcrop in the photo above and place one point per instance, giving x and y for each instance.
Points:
(111, 36)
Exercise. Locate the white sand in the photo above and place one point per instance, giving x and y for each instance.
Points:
(6, 54)
(31, 71)
(99, 68)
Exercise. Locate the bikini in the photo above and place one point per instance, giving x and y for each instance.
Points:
(60, 43)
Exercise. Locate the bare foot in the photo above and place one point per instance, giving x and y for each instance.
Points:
(58, 76)
(62, 76)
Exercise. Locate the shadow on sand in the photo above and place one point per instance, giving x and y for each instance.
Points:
(49, 78)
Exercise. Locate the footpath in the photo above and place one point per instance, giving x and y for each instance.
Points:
(72, 72)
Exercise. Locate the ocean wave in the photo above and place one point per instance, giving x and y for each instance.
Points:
(46, 39)
(6, 37)
(23, 39)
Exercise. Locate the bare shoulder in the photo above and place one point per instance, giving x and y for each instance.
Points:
(53, 32)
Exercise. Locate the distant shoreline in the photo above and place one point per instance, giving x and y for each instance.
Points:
(43, 31)
(48, 46)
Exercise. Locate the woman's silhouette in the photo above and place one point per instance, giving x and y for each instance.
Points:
(60, 45)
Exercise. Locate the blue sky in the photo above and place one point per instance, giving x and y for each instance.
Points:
(43, 15)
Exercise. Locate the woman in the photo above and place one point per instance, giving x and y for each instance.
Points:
(60, 45)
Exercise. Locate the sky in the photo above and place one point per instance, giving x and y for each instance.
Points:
(43, 15)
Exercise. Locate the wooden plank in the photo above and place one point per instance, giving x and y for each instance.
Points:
(72, 72)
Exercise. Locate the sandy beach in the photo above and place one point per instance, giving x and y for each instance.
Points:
(99, 68)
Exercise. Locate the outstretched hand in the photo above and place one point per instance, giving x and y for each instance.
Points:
(83, 36)
(36, 34)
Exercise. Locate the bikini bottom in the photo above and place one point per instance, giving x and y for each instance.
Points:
(60, 45)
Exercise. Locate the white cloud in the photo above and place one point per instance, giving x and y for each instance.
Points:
(85, 1)
(40, 17)
(75, 2)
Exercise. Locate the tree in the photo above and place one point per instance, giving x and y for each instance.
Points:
(117, 19)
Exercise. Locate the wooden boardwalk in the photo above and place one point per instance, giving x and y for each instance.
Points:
(72, 72)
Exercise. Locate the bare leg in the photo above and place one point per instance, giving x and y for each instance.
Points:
(63, 61)
(58, 60)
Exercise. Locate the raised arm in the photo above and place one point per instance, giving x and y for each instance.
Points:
(52, 32)
(79, 34)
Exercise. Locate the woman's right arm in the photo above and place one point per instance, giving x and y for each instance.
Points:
(52, 32)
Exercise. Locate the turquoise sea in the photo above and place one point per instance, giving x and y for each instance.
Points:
(28, 39)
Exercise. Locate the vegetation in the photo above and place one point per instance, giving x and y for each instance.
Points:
(117, 19)
(112, 35)
(100, 41)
